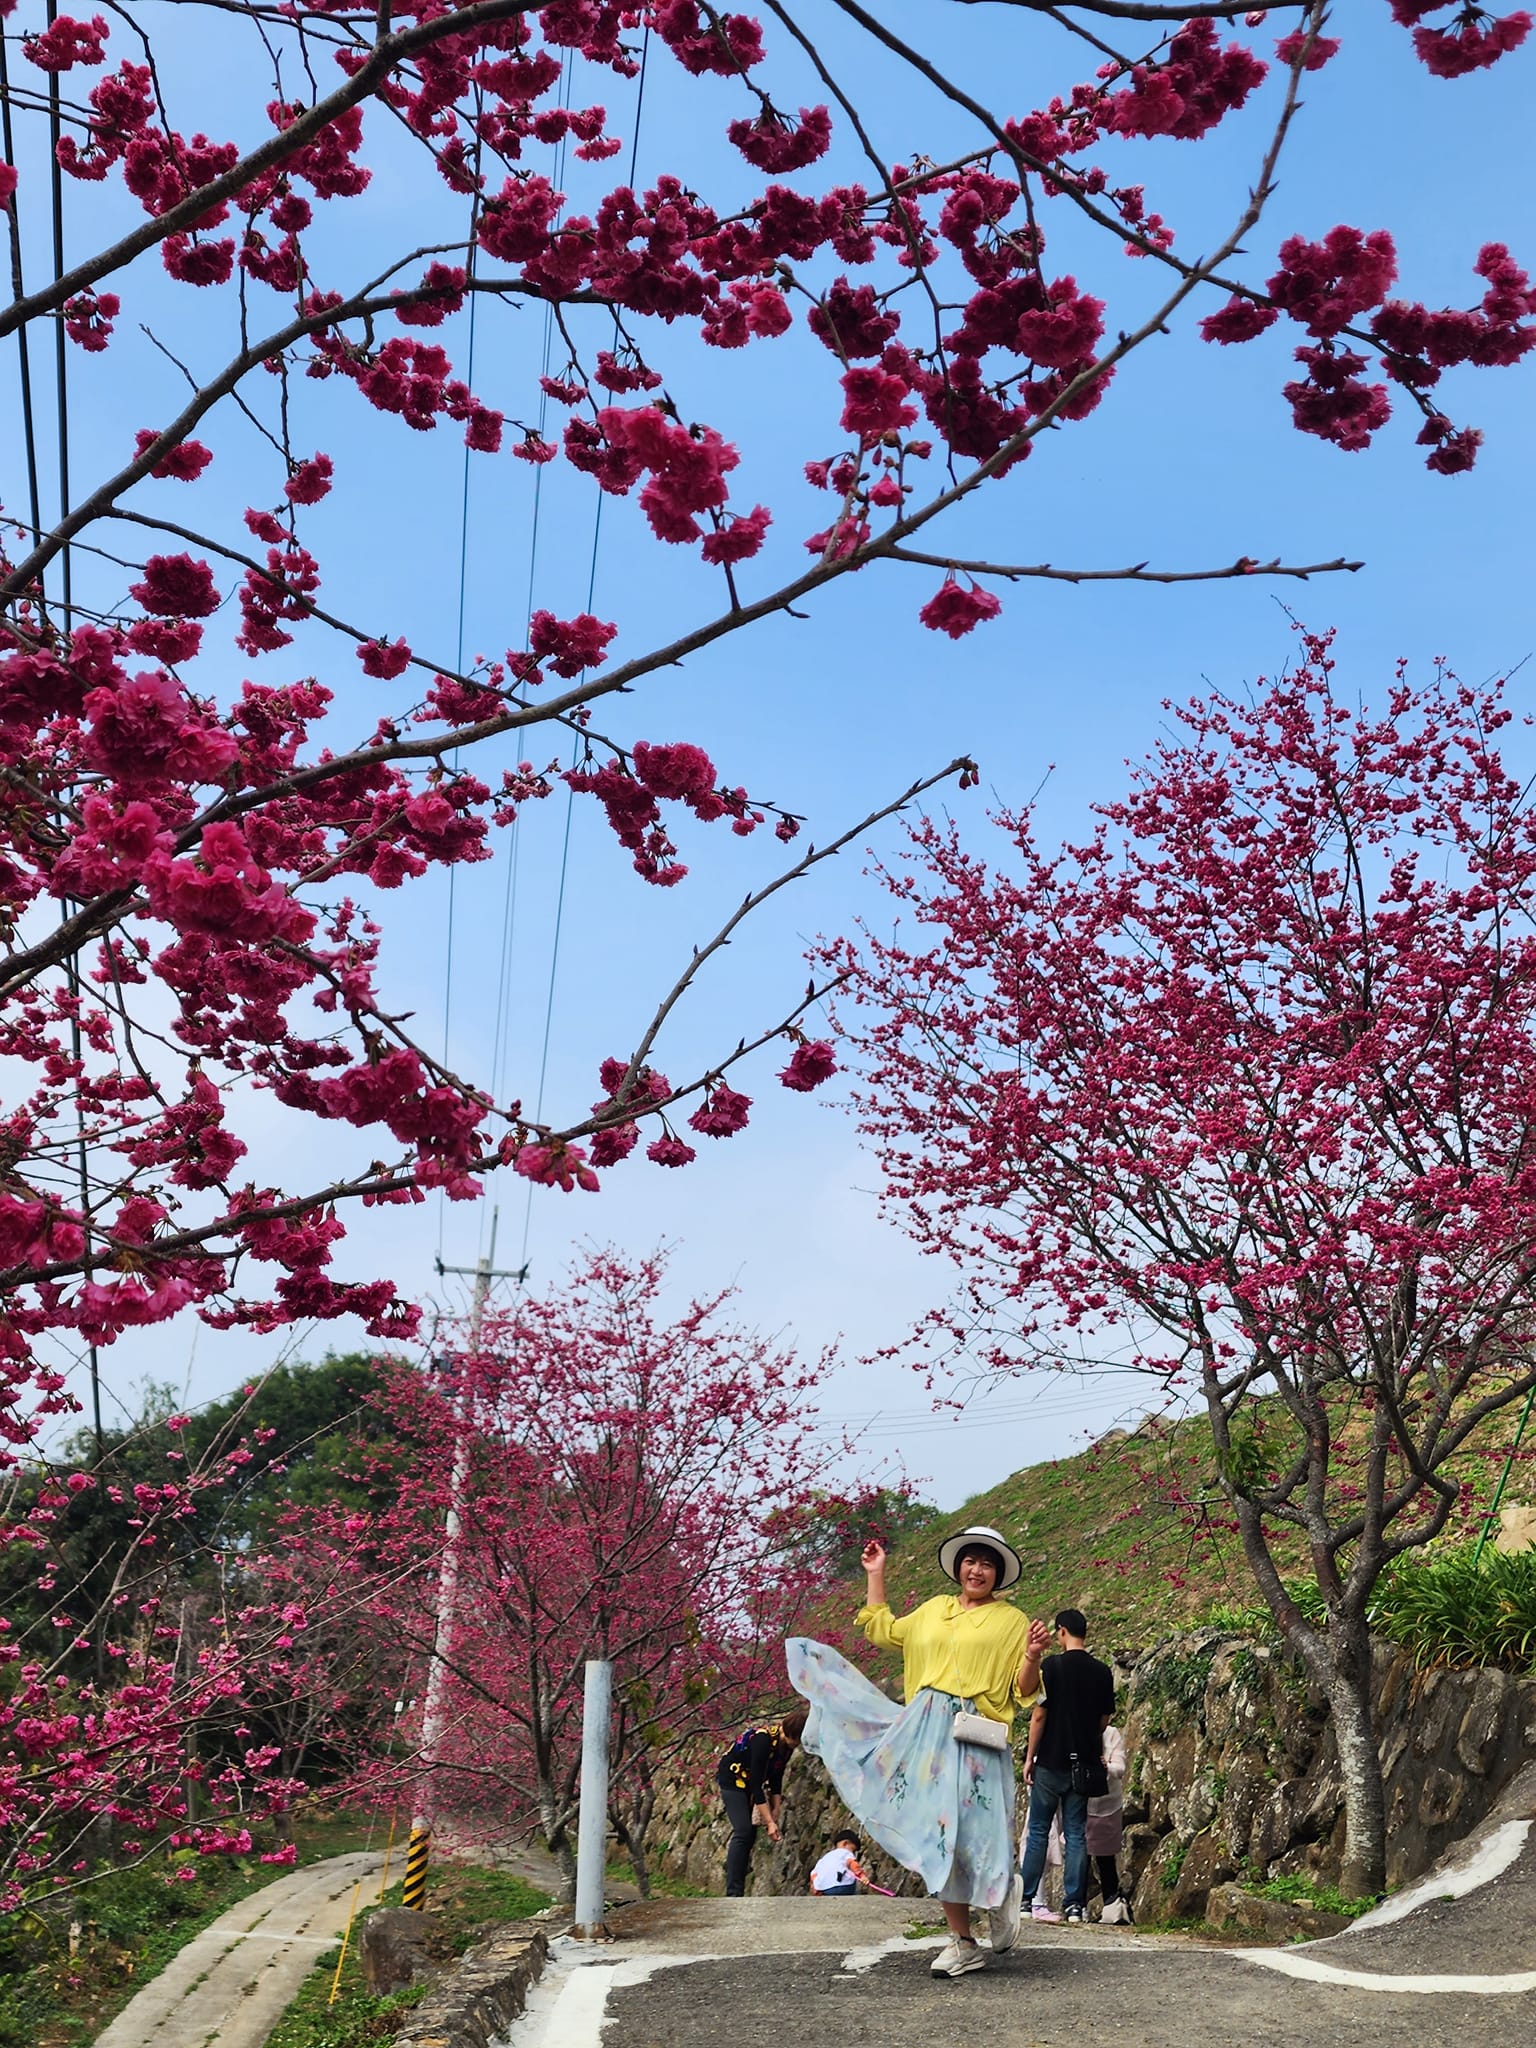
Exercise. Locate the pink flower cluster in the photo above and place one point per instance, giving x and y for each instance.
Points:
(415, 381)
(1187, 92)
(67, 42)
(810, 1065)
(1470, 41)
(957, 609)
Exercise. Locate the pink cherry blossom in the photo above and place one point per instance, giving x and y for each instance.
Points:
(810, 1065)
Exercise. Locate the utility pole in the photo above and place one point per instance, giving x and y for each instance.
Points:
(592, 1824)
(418, 1854)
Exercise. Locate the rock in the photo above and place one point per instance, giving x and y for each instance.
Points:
(1481, 1731)
(1517, 1530)
(395, 1945)
(1441, 1796)
(482, 1994)
(1436, 1710)
(1205, 1863)
(1229, 1906)
(1138, 1846)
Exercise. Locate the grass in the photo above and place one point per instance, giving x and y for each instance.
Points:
(1130, 1531)
(1096, 1531)
(465, 1902)
(1302, 1891)
(131, 1923)
(621, 1871)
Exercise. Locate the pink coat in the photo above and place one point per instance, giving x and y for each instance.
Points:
(1105, 1815)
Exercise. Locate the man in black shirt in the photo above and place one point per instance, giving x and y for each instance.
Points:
(1064, 1765)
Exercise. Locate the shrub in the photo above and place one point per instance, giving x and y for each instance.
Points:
(1451, 1608)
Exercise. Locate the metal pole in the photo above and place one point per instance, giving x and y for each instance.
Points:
(1493, 1513)
(433, 1711)
(592, 1826)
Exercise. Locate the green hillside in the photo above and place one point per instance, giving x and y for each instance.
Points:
(1135, 1532)
(1101, 1531)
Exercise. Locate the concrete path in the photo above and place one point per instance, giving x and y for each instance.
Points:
(1452, 1960)
(232, 1983)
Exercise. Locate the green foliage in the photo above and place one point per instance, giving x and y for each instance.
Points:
(132, 1922)
(1449, 1607)
(1172, 1691)
(356, 2020)
(322, 1423)
(1248, 1461)
(1461, 1609)
(1298, 1890)
(1173, 1863)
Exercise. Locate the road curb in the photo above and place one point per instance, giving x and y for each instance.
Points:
(482, 1994)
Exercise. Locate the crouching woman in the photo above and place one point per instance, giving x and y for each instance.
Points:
(932, 1782)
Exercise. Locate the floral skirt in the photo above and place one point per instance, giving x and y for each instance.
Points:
(941, 1808)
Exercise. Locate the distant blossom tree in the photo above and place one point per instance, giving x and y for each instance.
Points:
(1241, 1094)
(623, 1484)
(126, 1712)
(192, 861)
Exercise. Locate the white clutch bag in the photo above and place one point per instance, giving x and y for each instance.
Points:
(980, 1731)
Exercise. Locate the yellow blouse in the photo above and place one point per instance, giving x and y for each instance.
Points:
(972, 1652)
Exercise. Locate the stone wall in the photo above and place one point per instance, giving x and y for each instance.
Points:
(1233, 1775)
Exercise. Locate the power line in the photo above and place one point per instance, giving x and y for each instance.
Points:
(570, 795)
(18, 288)
(453, 872)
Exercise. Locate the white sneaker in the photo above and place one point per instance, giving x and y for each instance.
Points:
(956, 1959)
(1003, 1920)
(1117, 1914)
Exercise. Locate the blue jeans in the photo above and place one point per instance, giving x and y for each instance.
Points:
(1050, 1790)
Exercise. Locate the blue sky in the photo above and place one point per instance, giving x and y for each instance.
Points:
(1191, 461)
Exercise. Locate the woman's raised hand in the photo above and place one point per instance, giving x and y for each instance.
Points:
(872, 1556)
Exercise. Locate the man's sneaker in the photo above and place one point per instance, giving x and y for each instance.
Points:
(1074, 1916)
(1117, 1913)
(1040, 1911)
(1003, 1920)
(956, 1959)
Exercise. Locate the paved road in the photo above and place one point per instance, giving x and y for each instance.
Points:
(1451, 1961)
(231, 1984)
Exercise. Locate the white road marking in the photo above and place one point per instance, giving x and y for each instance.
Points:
(1492, 1859)
(1292, 1964)
(859, 1960)
(568, 2009)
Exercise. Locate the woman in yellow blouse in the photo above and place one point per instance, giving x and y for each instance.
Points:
(932, 1781)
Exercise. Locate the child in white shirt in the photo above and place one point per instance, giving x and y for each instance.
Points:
(838, 1875)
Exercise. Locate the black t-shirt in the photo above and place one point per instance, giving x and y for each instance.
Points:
(755, 1763)
(1079, 1693)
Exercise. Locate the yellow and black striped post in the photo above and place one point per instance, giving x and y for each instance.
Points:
(417, 1857)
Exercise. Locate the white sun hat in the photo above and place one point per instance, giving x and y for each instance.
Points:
(951, 1547)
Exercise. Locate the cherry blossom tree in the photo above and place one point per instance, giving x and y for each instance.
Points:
(1241, 1094)
(625, 1485)
(126, 1711)
(201, 835)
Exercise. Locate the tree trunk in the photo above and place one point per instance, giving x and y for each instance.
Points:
(1338, 1661)
(1348, 1688)
(632, 1842)
(557, 1840)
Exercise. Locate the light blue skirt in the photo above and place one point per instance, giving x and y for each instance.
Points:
(941, 1808)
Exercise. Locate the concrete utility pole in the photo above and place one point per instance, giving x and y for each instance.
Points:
(418, 1854)
(592, 1826)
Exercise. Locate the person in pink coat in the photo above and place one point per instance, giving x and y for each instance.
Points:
(1106, 1832)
